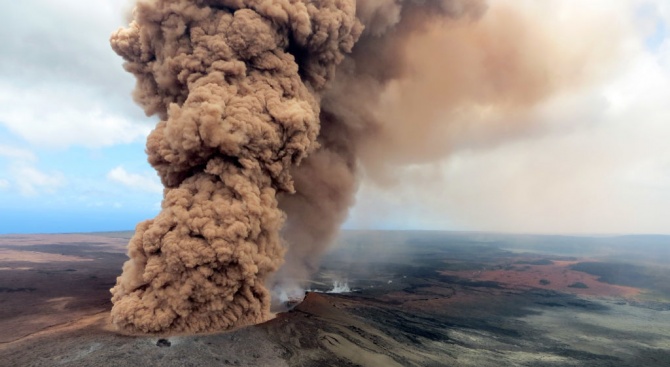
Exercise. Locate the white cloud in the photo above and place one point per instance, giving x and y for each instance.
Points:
(31, 181)
(143, 182)
(55, 118)
(67, 41)
(15, 153)
(60, 82)
(22, 174)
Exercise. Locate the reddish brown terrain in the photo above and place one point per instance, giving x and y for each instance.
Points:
(556, 276)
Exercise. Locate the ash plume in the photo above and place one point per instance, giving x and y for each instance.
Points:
(235, 85)
(270, 113)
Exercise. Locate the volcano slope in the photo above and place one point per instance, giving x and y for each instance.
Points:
(417, 299)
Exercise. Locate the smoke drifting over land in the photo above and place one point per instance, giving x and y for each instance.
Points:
(270, 112)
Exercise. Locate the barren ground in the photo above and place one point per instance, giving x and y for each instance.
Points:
(419, 299)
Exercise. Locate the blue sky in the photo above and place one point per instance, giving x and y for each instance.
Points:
(75, 188)
(72, 141)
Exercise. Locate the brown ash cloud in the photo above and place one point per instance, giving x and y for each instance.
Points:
(270, 114)
(235, 85)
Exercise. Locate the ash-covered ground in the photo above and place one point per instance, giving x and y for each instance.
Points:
(416, 299)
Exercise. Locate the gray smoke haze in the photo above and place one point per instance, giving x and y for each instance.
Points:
(270, 113)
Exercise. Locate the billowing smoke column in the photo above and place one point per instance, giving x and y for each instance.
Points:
(270, 109)
(236, 87)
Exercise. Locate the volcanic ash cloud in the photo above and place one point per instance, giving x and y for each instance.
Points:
(271, 110)
(235, 85)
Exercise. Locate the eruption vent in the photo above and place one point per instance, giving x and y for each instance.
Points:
(268, 111)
